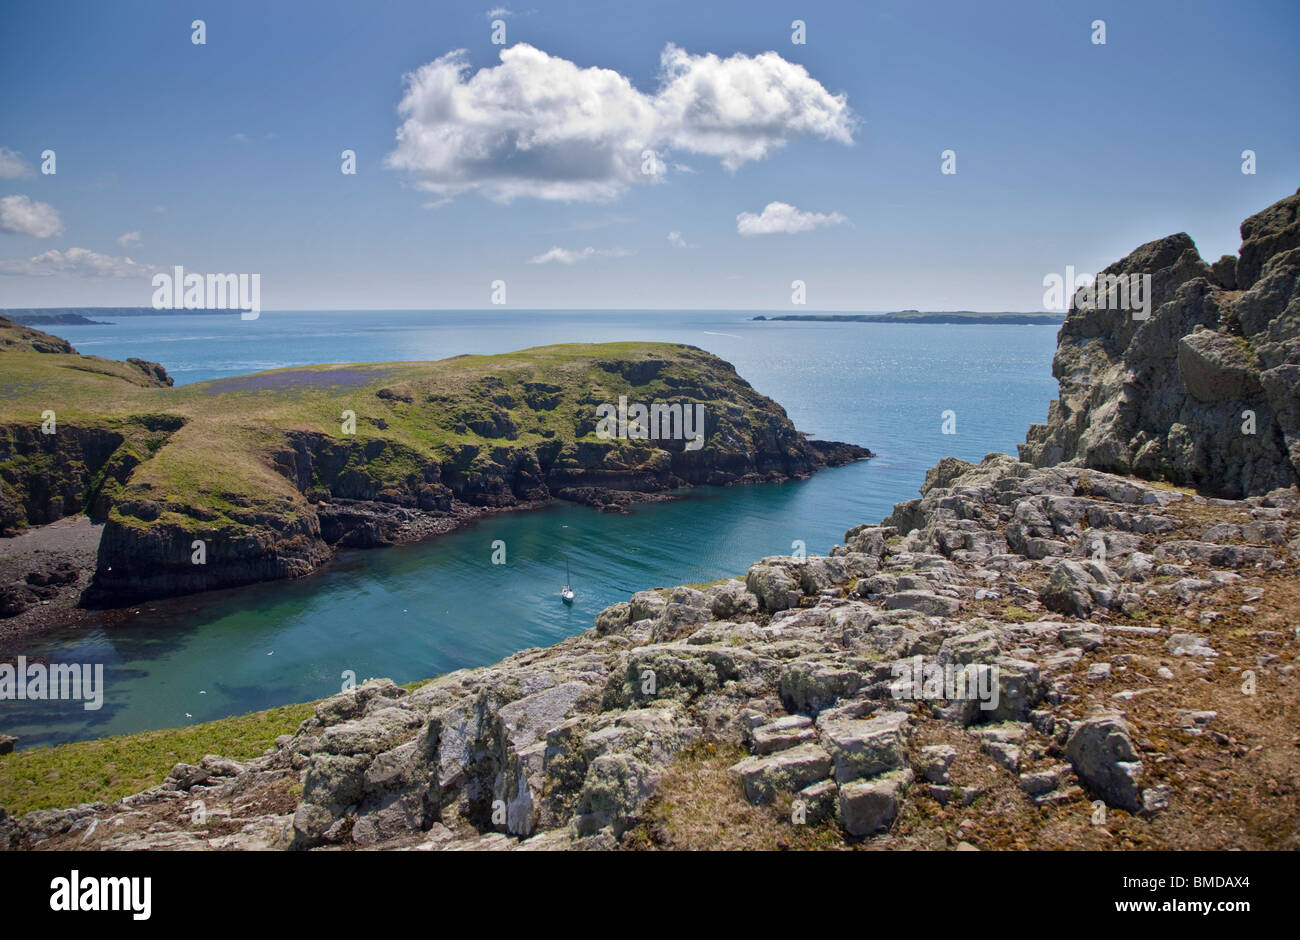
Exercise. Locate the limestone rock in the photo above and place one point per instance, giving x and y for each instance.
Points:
(1106, 760)
(783, 772)
(1173, 396)
(866, 747)
(871, 806)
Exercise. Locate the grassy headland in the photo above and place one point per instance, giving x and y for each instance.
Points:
(272, 470)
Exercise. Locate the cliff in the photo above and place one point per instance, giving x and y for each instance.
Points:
(1204, 393)
(272, 472)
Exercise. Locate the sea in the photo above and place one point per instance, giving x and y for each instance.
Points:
(912, 393)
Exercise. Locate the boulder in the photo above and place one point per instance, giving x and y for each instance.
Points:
(1067, 590)
(935, 760)
(866, 747)
(871, 806)
(1106, 760)
(783, 733)
(731, 599)
(925, 602)
(776, 582)
(810, 686)
(783, 772)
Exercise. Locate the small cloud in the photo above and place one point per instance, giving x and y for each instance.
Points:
(12, 165)
(270, 135)
(675, 239)
(497, 12)
(436, 203)
(24, 216)
(565, 256)
(160, 210)
(781, 218)
(683, 168)
(242, 138)
(128, 238)
(76, 262)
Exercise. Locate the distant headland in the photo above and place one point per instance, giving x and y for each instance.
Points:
(82, 316)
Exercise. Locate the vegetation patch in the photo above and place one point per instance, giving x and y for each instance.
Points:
(111, 768)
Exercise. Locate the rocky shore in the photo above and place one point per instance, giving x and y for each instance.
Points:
(805, 692)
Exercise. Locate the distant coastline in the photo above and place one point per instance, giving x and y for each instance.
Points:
(917, 316)
(56, 319)
(81, 316)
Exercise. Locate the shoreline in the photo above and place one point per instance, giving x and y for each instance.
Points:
(71, 544)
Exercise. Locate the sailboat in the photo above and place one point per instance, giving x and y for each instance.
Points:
(566, 592)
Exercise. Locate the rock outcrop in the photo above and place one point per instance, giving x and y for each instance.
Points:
(1206, 391)
(924, 663)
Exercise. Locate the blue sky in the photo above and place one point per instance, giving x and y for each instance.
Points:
(225, 157)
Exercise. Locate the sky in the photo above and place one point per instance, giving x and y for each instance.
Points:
(638, 156)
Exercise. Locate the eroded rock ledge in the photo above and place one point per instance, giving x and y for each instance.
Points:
(1048, 582)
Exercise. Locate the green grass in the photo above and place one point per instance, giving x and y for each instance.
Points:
(111, 768)
(1016, 612)
(705, 585)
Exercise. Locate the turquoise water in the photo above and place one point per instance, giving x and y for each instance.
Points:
(420, 610)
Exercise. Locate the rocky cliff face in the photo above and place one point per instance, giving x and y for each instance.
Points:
(1206, 392)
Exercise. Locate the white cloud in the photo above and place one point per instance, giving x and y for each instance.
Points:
(540, 126)
(783, 218)
(743, 107)
(24, 216)
(76, 262)
(128, 238)
(12, 165)
(565, 256)
(676, 239)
